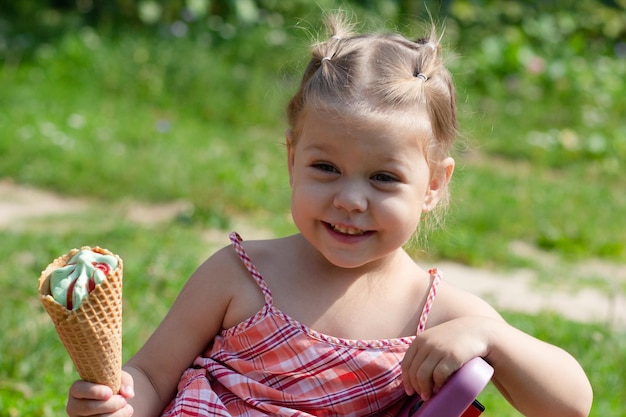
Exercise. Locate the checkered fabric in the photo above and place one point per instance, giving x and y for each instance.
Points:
(273, 365)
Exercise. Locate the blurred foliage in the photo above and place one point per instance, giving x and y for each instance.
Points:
(525, 26)
(569, 58)
(540, 84)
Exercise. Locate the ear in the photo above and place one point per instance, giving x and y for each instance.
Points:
(290, 154)
(438, 184)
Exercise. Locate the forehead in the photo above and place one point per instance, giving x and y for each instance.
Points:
(386, 132)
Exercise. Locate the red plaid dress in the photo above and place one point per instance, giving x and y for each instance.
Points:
(273, 365)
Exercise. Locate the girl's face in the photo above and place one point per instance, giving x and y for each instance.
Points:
(358, 189)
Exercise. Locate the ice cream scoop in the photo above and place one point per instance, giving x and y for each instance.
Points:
(89, 282)
(70, 284)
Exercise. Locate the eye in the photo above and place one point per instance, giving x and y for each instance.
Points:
(385, 177)
(325, 167)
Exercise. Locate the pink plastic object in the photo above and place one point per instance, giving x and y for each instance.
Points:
(456, 395)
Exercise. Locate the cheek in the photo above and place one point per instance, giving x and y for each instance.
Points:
(404, 213)
(305, 197)
(308, 189)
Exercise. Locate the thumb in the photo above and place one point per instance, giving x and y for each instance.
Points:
(127, 386)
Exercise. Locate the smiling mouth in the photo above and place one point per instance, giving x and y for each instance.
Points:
(351, 231)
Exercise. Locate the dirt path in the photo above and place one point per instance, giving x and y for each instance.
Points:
(512, 290)
(518, 291)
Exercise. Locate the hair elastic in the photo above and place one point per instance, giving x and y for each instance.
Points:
(421, 76)
(337, 37)
(326, 58)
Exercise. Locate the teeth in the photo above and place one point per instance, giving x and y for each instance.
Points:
(347, 230)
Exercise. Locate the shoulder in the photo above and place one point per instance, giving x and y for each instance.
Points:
(452, 303)
(228, 278)
(268, 247)
(221, 265)
(274, 257)
(227, 265)
(226, 274)
(215, 281)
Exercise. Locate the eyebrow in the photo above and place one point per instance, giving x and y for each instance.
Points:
(329, 148)
(319, 147)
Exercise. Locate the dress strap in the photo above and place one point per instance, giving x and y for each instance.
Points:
(432, 293)
(236, 240)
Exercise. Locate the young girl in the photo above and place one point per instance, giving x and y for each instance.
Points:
(338, 320)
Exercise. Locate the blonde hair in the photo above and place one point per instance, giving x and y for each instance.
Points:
(382, 76)
(378, 73)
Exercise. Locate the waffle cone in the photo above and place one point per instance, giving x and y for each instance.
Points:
(91, 334)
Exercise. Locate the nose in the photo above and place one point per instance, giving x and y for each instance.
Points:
(351, 196)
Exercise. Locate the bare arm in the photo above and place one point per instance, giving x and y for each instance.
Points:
(194, 319)
(151, 376)
(537, 378)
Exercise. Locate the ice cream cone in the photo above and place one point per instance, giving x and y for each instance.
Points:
(92, 334)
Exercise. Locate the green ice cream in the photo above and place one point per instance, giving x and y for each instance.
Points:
(72, 283)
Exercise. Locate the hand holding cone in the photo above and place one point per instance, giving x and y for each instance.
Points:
(92, 333)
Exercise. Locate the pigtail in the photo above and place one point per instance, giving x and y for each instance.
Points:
(402, 71)
(430, 50)
(334, 63)
(411, 74)
(339, 25)
(439, 91)
(328, 68)
(339, 28)
(401, 74)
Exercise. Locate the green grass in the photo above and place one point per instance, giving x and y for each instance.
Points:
(135, 117)
(36, 371)
(497, 201)
(172, 119)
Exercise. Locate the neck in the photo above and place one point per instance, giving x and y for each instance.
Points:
(312, 260)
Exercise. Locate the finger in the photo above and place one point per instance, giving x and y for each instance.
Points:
(422, 377)
(418, 365)
(115, 406)
(407, 361)
(127, 387)
(90, 391)
(417, 372)
(443, 371)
